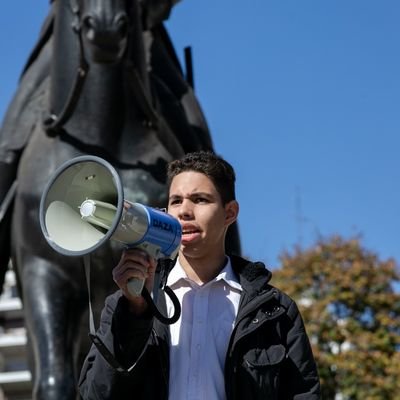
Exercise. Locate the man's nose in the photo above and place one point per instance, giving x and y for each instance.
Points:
(185, 210)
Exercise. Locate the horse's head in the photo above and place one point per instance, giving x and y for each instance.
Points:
(103, 26)
(96, 43)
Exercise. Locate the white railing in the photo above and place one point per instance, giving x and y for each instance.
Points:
(15, 378)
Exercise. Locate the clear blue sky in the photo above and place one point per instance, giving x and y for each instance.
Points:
(301, 96)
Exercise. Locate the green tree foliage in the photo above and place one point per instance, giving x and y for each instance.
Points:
(352, 315)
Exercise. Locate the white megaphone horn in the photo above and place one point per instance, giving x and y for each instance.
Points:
(83, 206)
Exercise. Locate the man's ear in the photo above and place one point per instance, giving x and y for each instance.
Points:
(231, 212)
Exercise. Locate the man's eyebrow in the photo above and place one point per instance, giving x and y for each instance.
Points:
(175, 196)
(193, 194)
(202, 194)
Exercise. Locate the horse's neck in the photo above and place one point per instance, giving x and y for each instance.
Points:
(99, 113)
(109, 117)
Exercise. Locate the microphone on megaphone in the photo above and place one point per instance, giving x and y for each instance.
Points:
(83, 206)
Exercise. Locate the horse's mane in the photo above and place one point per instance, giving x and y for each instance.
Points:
(44, 36)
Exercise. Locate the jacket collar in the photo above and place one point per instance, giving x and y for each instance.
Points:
(253, 276)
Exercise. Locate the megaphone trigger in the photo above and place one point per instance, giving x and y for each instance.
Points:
(135, 286)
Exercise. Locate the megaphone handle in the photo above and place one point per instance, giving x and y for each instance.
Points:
(156, 312)
(135, 286)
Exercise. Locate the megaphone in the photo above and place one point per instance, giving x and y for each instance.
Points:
(83, 206)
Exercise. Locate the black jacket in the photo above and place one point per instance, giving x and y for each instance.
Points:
(269, 354)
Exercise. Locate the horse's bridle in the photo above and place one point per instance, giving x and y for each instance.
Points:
(53, 123)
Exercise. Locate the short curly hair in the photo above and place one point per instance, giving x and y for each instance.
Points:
(210, 164)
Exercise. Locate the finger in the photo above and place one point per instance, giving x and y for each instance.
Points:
(135, 255)
(130, 270)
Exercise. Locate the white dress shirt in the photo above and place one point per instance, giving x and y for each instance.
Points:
(200, 338)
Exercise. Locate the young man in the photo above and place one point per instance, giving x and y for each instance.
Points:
(237, 338)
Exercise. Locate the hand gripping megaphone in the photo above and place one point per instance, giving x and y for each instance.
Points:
(83, 206)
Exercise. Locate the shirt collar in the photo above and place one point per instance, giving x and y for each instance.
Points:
(226, 274)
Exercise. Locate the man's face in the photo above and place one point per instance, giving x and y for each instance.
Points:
(196, 203)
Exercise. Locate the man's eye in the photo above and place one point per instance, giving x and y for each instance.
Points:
(174, 202)
(201, 200)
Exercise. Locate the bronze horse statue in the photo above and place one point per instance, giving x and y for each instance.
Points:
(103, 80)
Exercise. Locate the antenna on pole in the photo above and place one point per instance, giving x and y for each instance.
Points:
(299, 217)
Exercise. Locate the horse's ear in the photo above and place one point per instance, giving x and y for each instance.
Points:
(74, 4)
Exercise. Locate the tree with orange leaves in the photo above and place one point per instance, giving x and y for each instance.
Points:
(352, 314)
